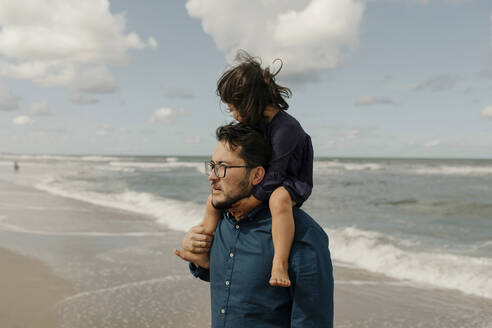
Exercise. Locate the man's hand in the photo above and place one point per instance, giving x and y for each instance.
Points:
(242, 207)
(196, 246)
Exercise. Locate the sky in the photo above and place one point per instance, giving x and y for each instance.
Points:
(370, 78)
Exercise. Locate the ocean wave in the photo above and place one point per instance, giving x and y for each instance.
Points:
(380, 253)
(327, 166)
(36, 157)
(177, 215)
(99, 158)
(454, 170)
(116, 169)
(22, 164)
(166, 279)
(76, 158)
(168, 165)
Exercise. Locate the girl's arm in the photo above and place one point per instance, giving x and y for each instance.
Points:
(212, 216)
(242, 207)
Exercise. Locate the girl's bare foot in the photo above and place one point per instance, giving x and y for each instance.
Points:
(280, 275)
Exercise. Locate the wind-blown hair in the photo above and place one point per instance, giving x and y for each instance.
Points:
(255, 149)
(250, 88)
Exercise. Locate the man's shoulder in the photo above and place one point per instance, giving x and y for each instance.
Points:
(306, 226)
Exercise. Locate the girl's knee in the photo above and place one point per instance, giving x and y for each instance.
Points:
(280, 199)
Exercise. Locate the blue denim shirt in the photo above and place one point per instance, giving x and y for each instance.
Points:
(240, 265)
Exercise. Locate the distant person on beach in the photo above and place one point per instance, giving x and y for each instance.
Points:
(16, 166)
(238, 261)
(254, 98)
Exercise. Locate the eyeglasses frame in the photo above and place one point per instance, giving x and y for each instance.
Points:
(210, 166)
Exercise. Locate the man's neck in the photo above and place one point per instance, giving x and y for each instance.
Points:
(243, 207)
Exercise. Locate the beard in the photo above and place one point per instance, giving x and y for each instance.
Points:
(243, 192)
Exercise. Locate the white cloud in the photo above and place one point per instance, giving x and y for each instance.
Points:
(487, 112)
(40, 109)
(308, 35)
(22, 120)
(162, 115)
(432, 143)
(370, 100)
(8, 101)
(152, 42)
(64, 43)
(83, 99)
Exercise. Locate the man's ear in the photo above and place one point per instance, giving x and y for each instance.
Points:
(257, 175)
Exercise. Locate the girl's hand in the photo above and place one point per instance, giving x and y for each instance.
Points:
(196, 245)
(242, 207)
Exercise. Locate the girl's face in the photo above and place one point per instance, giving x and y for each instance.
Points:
(235, 112)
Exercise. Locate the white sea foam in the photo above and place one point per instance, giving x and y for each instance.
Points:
(375, 252)
(99, 158)
(15, 228)
(168, 165)
(454, 170)
(177, 215)
(372, 283)
(61, 158)
(332, 166)
(39, 157)
(23, 164)
(116, 169)
(166, 279)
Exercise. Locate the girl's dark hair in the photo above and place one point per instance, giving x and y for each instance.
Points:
(255, 149)
(250, 88)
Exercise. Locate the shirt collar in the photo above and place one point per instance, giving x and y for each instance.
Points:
(253, 215)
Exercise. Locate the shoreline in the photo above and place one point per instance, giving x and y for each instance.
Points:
(125, 280)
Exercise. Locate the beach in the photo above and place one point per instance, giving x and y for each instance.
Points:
(72, 263)
(29, 290)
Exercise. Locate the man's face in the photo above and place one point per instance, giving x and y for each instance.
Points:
(236, 184)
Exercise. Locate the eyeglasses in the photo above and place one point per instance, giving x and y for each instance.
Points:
(219, 169)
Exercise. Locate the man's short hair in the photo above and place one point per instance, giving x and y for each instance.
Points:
(255, 149)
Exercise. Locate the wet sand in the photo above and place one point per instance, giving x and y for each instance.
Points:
(29, 291)
(101, 267)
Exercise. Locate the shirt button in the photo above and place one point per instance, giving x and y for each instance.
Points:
(237, 226)
(231, 254)
(222, 311)
(227, 283)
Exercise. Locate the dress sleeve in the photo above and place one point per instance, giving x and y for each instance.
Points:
(199, 272)
(284, 141)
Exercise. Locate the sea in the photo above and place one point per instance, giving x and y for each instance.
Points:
(427, 222)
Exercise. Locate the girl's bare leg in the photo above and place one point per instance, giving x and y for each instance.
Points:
(212, 216)
(283, 230)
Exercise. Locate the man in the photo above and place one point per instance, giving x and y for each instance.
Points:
(242, 250)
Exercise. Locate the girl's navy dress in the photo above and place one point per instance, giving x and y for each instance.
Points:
(291, 164)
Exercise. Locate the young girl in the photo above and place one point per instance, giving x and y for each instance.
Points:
(254, 98)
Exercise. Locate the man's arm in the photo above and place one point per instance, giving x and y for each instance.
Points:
(312, 287)
(196, 247)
